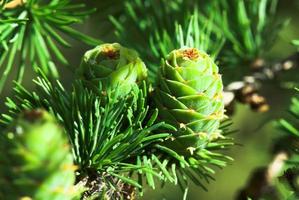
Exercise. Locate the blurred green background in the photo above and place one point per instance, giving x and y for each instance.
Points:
(256, 131)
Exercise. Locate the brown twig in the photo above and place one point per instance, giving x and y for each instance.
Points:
(270, 73)
(247, 90)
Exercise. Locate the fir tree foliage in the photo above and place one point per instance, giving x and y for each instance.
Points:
(196, 32)
(288, 127)
(116, 138)
(105, 137)
(119, 137)
(234, 31)
(34, 41)
(250, 27)
(117, 64)
(159, 31)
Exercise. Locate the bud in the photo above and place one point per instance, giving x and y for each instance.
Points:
(114, 66)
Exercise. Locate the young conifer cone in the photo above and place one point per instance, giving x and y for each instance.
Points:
(113, 66)
(189, 96)
(35, 160)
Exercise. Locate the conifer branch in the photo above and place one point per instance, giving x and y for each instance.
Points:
(115, 130)
(30, 35)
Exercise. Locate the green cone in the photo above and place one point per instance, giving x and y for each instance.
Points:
(113, 66)
(189, 96)
(35, 160)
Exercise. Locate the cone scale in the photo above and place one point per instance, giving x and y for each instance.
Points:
(189, 96)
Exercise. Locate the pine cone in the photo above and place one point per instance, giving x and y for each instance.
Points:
(35, 160)
(189, 96)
